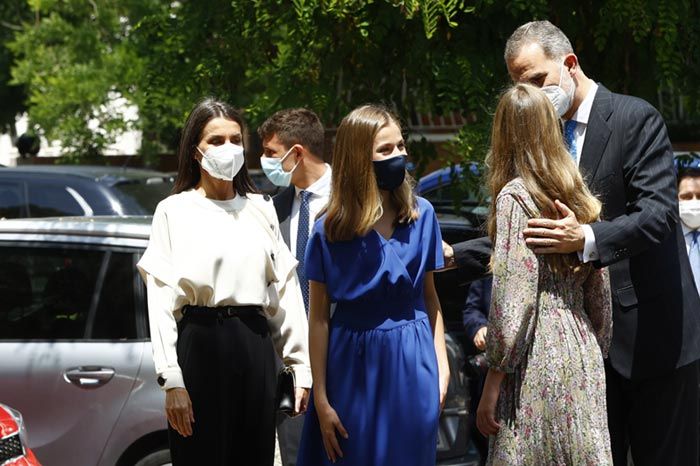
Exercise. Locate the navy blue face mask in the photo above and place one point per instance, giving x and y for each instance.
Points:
(390, 172)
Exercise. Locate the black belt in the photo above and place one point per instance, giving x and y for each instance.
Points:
(220, 312)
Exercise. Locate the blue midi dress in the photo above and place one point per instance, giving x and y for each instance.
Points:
(381, 370)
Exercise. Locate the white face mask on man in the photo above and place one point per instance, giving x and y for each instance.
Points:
(561, 98)
(690, 213)
(224, 161)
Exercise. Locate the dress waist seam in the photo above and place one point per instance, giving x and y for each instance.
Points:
(347, 323)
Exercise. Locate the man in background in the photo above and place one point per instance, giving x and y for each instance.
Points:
(292, 159)
(689, 208)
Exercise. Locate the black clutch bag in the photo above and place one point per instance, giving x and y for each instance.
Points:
(284, 399)
(476, 366)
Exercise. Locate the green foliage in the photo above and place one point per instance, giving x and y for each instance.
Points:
(76, 57)
(12, 14)
(76, 61)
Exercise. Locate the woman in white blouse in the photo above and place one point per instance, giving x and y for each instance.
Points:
(222, 291)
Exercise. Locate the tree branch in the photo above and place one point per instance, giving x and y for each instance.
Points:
(94, 8)
(14, 27)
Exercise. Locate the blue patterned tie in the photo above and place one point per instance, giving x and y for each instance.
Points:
(302, 239)
(569, 137)
(694, 256)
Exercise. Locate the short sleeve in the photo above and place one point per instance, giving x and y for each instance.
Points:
(314, 256)
(432, 237)
(156, 260)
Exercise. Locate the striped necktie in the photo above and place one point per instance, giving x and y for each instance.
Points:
(570, 137)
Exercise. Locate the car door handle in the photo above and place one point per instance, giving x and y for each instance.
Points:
(88, 377)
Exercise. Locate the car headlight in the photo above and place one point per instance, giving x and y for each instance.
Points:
(17, 416)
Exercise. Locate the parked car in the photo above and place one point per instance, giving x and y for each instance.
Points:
(75, 354)
(456, 224)
(14, 450)
(70, 190)
(77, 190)
(262, 182)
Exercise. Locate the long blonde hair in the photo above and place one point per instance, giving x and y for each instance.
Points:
(355, 203)
(527, 142)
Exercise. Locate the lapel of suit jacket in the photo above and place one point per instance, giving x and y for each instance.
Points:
(283, 205)
(597, 133)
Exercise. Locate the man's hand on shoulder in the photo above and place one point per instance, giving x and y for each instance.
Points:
(555, 236)
(449, 257)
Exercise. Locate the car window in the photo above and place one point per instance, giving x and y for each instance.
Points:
(261, 181)
(436, 196)
(115, 317)
(49, 294)
(54, 201)
(145, 196)
(12, 203)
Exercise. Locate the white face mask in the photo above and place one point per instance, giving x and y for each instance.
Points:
(560, 98)
(690, 213)
(224, 161)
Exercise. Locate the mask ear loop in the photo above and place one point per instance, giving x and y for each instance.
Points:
(561, 74)
(199, 161)
(285, 156)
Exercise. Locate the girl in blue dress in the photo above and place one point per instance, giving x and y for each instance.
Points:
(376, 333)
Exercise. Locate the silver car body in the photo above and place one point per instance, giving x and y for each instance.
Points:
(85, 401)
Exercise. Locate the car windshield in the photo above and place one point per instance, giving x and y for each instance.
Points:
(146, 194)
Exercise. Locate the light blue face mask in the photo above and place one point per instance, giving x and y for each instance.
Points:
(272, 167)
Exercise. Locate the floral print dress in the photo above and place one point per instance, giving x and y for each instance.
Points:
(549, 333)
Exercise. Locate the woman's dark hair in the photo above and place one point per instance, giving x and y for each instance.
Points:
(188, 174)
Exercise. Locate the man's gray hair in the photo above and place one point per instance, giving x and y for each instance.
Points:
(543, 33)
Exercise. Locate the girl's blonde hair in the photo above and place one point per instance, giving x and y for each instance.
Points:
(527, 142)
(355, 203)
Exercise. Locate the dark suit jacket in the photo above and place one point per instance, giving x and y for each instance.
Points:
(476, 308)
(627, 161)
(283, 206)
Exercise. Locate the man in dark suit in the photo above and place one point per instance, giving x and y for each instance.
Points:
(292, 158)
(622, 148)
(689, 207)
(475, 314)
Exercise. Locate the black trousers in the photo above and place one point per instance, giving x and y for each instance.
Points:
(289, 437)
(228, 365)
(476, 389)
(656, 419)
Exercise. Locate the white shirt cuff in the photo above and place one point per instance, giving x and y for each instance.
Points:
(302, 375)
(590, 250)
(172, 379)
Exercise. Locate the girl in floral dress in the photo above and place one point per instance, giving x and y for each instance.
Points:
(550, 319)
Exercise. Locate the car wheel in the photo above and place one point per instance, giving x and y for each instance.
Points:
(156, 458)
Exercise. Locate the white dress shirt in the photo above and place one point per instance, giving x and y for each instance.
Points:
(590, 250)
(688, 238)
(320, 192)
(211, 253)
(581, 118)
